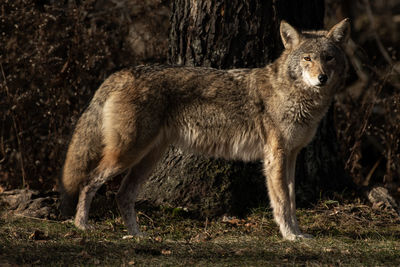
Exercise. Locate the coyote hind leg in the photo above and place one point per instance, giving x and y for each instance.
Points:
(130, 187)
(104, 172)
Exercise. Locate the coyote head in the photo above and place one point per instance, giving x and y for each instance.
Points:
(316, 57)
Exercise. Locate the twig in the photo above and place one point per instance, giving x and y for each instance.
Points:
(3, 151)
(141, 213)
(356, 62)
(365, 120)
(376, 37)
(21, 159)
(371, 172)
(34, 218)
(5, 81)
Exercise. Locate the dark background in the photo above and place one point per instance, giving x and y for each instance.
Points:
(54, 55)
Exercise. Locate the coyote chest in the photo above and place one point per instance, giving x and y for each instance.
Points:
(301, 119)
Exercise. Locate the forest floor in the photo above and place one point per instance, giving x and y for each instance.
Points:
(345, 235)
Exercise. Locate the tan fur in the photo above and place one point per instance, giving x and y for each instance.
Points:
(248, 114)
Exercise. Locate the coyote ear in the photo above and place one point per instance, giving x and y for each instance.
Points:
(340, 33)
(290, 36)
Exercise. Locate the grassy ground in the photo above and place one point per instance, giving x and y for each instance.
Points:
(345, 235)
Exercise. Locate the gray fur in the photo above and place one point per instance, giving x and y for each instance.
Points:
(264, 114)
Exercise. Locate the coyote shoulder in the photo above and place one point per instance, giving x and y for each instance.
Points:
(266, 114)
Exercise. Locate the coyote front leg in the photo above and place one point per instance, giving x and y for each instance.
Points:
(275, 161)
(291, 170)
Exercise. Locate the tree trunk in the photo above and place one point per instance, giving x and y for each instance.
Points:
(233, 34)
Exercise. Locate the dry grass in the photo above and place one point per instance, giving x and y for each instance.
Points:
(352, 234)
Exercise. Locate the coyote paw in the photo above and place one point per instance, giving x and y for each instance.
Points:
(134, 230)
(83, 226)
(139, 235)
(299, 236)
(304, 236)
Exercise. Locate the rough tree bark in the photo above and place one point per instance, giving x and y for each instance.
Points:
(236, 34)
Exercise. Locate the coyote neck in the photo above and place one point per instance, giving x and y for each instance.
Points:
(305, 105)
(294, 101)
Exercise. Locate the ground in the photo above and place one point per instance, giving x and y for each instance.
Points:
(345, 235)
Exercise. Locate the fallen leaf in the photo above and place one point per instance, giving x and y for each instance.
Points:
(201, 237)
(232, 220)
(166, 252)
(251, 225)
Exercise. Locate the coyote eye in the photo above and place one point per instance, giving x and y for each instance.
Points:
(329, 58)
(307, 58)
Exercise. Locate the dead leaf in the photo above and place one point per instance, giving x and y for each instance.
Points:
(166, 252)
(251, 225)
(232, 220)
(201, 237)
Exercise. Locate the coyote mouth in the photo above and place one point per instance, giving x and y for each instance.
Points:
(311, 81)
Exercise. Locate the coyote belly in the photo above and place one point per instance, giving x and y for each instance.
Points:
(227, 142)
(264, 114)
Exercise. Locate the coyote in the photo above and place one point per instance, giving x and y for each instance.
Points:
(266, 114)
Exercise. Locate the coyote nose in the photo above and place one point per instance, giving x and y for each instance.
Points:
(322, 78)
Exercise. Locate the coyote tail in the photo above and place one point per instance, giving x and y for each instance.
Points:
(74, 174)
(83, 154)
